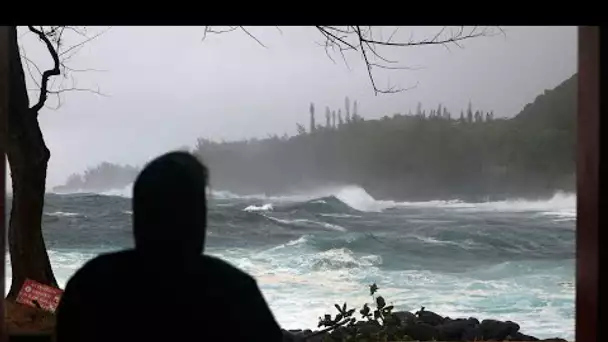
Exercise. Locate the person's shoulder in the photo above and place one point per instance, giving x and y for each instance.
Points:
(223, 268)
(104, 264)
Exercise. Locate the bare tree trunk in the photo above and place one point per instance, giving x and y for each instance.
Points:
(28, 158)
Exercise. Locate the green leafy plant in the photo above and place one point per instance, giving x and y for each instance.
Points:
(376, 324)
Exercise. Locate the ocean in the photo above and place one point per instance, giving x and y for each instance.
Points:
(510, 260)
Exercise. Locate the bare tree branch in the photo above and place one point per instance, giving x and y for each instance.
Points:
(390, 67)
(252, 36)
(79, 45)
(82, 70)
(393, 34)
(366, 44)
(367, 63)
(53, 38)
(341, 39)
(208, 29)
(63, 90)
(87, 90)
(47, 73)
(334, 38)
(29, 63)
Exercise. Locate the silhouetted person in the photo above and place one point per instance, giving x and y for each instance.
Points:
(165, 289)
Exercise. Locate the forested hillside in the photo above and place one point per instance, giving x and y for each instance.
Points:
(102, 177)
(425, 155)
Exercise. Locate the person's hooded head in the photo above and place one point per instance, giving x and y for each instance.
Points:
(170, 206)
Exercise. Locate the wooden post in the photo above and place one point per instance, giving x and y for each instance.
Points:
(587, 238)
(4, 71)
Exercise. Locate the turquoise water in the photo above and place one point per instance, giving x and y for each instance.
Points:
(506, 260)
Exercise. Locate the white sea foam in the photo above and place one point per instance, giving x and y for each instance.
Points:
(339, 215)
(126, 192)
(357, 198)
(255, 208)
(561, 204)
(466, 244)
(296, 222)
(62, 214)
(532, 296)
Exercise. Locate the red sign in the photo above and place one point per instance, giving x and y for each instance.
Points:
(39, 295)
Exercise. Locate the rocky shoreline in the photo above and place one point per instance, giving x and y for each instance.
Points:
(420, 326)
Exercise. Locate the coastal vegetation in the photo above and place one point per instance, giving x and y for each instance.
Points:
(427, 153)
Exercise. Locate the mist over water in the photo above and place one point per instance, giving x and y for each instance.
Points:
(508, 260)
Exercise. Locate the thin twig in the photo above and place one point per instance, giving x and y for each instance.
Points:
(392, 34)
(97, 92)
(84, 41)
(328, 34)
(252, 36)
(28, 64)
(389, 67)
(208, 29)
(83, 70)
(369, 67)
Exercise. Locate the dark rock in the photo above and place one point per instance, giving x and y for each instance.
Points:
(519, 337)
(498, 330)
(454, 330)
(429, 317)
(368, 328)
(339, 333)
(316, 338)
(473, 333)
(422, 332)
(292, 336)
(405, 317)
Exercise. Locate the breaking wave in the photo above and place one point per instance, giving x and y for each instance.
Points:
(254, 208)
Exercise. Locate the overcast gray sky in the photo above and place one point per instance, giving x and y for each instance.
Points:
(166, 87)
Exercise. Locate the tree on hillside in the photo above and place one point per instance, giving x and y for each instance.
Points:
(313, 126)
(470, 113)
(333, 117)
(461, 117)
(300, 129)
(340, 120)
(327, 119)
(27, 153)
(347, 106)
